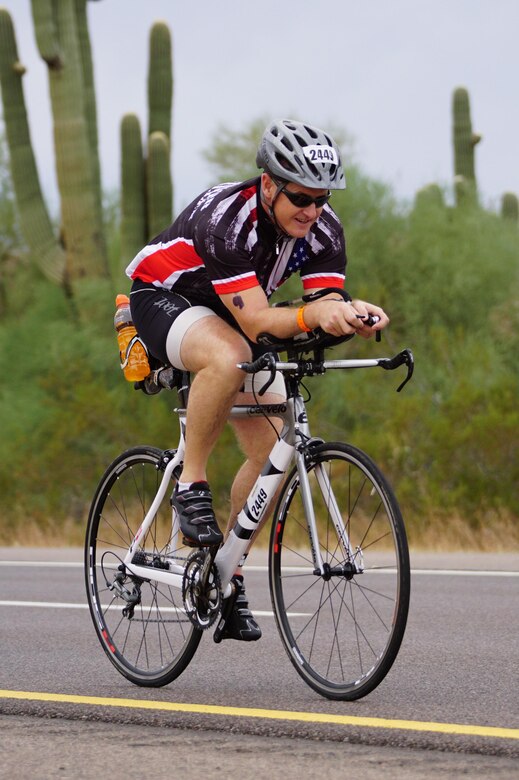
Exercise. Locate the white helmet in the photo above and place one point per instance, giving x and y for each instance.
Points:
(295, 151)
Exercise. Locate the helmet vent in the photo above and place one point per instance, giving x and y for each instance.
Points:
(285, 164)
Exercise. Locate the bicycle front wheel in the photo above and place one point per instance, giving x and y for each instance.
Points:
(342, 626)
(141, 624)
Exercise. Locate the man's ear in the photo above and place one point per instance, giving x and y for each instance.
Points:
(268, 188)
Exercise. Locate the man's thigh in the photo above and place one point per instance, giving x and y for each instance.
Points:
(257, 435)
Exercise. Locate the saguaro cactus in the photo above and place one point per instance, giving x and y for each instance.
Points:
(147, 184)
(34, 218)
(464, 141)
(159, 186)
(133, 194)
(67, 53)
(160, 80)
(62, 39)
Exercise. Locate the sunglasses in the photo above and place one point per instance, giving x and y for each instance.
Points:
(303, 201)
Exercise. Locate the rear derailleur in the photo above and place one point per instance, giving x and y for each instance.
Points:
(131, 597)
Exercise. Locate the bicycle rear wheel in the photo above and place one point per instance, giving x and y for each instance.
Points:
(342, 629)
(152, 643)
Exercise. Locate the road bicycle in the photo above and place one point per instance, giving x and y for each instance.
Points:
(338, 561)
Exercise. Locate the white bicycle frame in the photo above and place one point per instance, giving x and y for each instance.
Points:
(291, 444)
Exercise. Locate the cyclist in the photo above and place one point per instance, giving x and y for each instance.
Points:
(200, 298)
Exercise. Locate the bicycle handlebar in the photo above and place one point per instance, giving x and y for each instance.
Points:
(303, 368)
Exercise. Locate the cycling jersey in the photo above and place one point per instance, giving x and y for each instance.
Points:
(224, 242)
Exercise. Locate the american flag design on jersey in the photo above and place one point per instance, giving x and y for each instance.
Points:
(224, 242)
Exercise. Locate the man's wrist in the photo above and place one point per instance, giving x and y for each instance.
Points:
(301, 324)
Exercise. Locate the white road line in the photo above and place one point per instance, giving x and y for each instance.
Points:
(65, 605)
(295, 569)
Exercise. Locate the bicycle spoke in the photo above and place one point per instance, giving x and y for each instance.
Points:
(143, 627)
(346, 631)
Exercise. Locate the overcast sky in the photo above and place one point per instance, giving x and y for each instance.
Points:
(382, 70)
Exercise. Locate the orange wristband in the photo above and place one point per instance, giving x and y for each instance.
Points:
(301, 320)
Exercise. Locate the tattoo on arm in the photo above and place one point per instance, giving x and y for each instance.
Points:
(238, 302)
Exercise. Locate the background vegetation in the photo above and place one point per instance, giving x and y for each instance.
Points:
(444, 267)
(447, 276)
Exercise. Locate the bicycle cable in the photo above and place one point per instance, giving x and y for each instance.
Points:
(263, 413)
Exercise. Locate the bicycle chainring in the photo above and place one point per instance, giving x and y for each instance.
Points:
(203, 603)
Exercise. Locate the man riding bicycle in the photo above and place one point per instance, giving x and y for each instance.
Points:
(200, 299)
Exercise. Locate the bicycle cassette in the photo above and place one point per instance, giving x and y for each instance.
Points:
(201, 591)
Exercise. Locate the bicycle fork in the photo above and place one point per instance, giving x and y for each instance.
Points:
(303, 456)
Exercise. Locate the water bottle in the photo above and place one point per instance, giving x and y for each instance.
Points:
(133, 357)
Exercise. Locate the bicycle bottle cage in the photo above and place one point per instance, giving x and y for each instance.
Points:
(163, 377)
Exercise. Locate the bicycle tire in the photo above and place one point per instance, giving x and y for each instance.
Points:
(342, 631)
(154, 645)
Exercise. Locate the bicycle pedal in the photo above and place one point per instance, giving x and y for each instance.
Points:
(189, 542)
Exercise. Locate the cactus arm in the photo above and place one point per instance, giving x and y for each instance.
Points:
(146, 187)
(34, 218)
(46, 31)
(90, 108)
(158, 179)
(133, 189)
(160, 80)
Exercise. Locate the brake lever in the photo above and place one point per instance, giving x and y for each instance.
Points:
(403, 358)
(266, 361)
(271, 366)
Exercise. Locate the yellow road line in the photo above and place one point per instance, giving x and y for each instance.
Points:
(248, 712)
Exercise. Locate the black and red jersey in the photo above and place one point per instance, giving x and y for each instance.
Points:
(224, 242)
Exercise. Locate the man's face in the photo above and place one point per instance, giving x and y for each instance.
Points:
(293, 219)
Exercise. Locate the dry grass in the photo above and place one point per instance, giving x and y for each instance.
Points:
(495, 533)
(498, 532)
(29, 534)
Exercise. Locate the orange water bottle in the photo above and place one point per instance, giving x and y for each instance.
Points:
(134, 360)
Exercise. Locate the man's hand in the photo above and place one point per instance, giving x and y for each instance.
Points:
(339, 318)
(365, 310)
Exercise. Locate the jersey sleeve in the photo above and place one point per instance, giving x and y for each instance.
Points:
(229, 272)
(227, 243)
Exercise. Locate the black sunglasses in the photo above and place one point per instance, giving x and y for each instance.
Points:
(302, 200)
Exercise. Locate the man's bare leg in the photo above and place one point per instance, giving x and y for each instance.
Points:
(256, 437)
(211, 348)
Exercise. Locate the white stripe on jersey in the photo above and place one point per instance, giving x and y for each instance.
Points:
(229, 279)
(150, 249)
(328, 232)
(236, 224)
(314, 243)
(207, 198)
(170, 280)
(238, 221)
(340, 277)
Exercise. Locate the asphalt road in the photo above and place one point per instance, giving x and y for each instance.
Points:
(458, 665)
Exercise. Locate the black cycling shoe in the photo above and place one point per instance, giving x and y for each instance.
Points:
(195, 512)
(240, 623)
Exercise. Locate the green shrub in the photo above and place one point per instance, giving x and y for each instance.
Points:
(449, 280)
